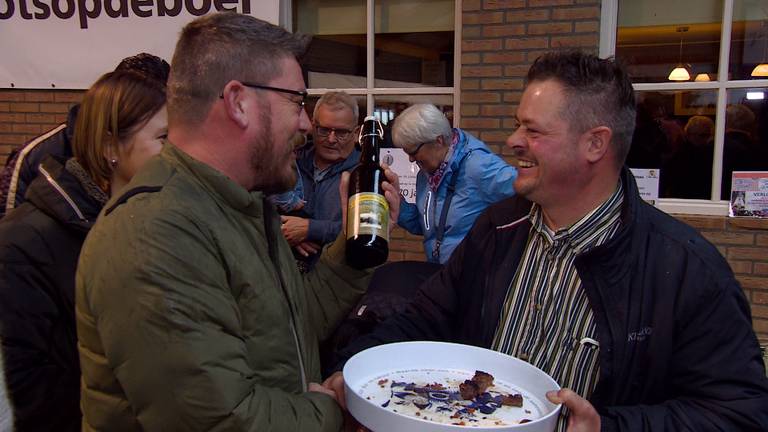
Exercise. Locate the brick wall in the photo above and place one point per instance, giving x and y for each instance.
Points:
(744, 243)
(25, 114)
(500, 40)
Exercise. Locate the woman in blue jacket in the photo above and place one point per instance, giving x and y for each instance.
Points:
(460, 176)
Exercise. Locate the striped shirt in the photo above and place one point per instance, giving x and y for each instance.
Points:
(547, 320)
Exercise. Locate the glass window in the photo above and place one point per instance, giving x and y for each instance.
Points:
(749, 40)
(336, 57)
(656, 37)
(411, 57)
(745, 144)
(703, 125)
(675, 133)
(414, 43)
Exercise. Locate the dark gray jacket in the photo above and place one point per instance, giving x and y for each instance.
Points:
(677, 349)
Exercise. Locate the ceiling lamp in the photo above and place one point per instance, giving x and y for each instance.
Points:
(701, 77)
(680, 73)
(760, 70)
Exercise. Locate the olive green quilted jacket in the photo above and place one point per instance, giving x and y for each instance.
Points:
(192, 316)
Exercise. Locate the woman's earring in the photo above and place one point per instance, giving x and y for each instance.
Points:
(113, 162)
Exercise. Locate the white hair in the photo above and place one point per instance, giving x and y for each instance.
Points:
(420, 123)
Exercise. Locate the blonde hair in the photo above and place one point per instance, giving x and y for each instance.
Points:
(113, 109)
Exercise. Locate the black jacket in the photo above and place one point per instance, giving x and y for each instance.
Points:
(21, 169)
(39, 245)
(677, 349)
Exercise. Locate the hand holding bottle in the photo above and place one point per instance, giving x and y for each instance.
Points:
(368, 216)
(391, 192)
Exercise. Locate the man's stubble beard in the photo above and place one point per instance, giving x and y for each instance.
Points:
(269, 167)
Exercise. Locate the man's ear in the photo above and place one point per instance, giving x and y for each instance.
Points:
(597, 143)
(235, 104)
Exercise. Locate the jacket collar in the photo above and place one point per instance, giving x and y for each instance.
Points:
(218, 184)
(518, 208)
(62, 196)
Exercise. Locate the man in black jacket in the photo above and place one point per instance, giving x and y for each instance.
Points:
(637, 316)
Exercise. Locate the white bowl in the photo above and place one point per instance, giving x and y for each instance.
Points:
(364, 376)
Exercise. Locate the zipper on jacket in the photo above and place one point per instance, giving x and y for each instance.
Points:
(304, 385)
(272, 250)
(61, 191)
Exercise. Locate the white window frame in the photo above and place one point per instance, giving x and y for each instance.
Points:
(370, 90)
(714, 206)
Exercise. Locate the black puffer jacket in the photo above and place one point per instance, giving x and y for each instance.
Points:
(39, 245)
(21, 169)
(677, 349)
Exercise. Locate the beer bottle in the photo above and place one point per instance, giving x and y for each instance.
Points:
(367, 209)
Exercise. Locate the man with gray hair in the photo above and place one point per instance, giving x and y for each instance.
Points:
(635, 314)
(191, 315)
(334, 132)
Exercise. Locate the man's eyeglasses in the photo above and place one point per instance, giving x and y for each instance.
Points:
(341, 134)
(303, 94)
(414, 151)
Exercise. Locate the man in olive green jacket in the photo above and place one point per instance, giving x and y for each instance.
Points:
(190, 312)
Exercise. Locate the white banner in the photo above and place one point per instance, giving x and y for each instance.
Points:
(68, 44)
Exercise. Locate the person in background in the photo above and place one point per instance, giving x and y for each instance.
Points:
(459, 178)
(740, 149)
(699, 130)
(334, 132)
(635, 314)
(689, 173)
(191, 314)
(21, 168)
(121, 124)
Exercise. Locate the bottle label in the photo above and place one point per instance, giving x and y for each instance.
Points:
(368, 213)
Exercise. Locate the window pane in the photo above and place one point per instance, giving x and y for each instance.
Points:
(675, 132)
(656, 36)
(749, 39)
(745, 146)
(414, 43)
(336, 55)
(387, 107)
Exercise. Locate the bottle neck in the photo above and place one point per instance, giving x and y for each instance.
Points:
(369, 145)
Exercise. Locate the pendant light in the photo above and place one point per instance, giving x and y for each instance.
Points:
(680, 73)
